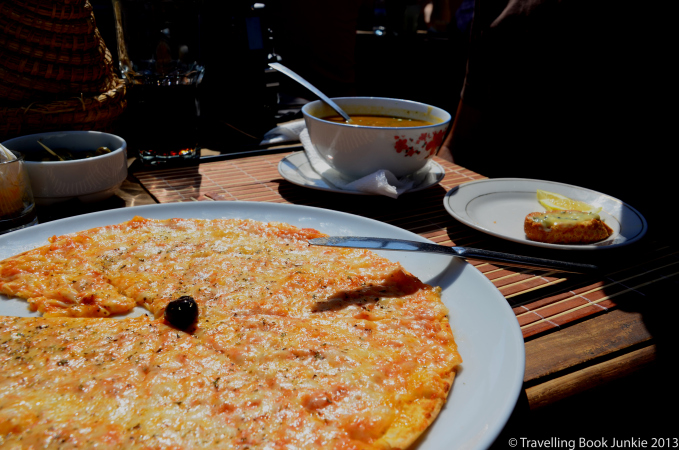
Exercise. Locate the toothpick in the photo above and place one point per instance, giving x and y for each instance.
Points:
(50, 150)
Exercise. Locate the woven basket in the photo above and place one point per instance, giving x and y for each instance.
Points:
(71, 73)
(55, 9)
(21, 88)
(55, 53)
(78, 63)
(55, 70)
(53, 41)
(81, 113)
(13, 12)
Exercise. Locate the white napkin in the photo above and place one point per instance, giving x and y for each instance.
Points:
(382, 182)
(286, 132)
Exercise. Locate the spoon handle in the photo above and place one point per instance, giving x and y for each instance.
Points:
(281, 68)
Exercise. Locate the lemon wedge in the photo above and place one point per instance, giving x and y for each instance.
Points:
(546, 194)
(552, 201)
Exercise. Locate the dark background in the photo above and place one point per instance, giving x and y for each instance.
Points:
(241, 98)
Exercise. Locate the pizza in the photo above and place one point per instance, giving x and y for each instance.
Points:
(294, 346)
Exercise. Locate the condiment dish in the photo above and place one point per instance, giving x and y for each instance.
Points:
(90, 179)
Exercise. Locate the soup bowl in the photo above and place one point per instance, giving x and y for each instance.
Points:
(359, 150)
(90, 179)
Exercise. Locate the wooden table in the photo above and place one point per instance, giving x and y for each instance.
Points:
(598, 348)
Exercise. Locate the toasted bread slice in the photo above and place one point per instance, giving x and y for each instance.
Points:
(566, 227)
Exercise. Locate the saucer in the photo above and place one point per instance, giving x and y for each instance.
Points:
(297, 169)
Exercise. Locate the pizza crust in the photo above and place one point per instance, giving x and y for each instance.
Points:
(417, 417)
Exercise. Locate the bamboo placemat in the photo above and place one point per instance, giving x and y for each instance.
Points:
(543, 301)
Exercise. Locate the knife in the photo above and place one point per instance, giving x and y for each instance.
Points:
(505, 259)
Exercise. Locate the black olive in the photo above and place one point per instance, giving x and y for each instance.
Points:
(182, 312)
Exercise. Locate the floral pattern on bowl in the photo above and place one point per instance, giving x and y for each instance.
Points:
(427, 142)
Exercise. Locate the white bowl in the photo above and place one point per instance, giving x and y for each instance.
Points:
(90, 179)
(357, 151)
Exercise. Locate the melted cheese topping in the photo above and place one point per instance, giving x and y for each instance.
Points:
(553, 218)
(295, 347)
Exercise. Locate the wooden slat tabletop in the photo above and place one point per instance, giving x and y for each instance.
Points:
(543, 301)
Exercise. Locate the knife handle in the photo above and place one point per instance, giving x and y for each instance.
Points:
(527, 262)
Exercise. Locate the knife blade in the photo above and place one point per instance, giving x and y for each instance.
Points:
(506, 259)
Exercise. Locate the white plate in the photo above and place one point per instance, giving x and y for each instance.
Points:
(487, 386)
(297, 169)
(499, 206)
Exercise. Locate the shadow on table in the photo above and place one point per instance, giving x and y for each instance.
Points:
(74, 207)
(379, 207)
(634, 405)
(179, 182)
(129, 194)
(628, 408)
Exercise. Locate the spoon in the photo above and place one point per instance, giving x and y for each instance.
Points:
(281, 68)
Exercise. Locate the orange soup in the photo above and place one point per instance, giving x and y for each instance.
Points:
(380, 121)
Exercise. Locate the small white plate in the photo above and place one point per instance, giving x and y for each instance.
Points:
(486, 331)
(297, 169)
(499, 206)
